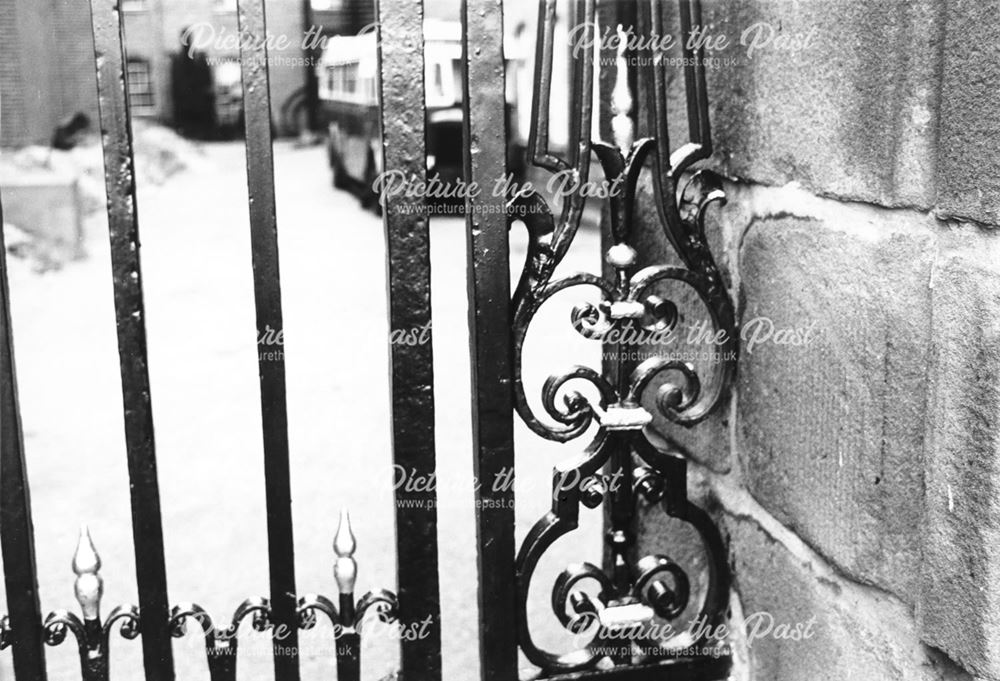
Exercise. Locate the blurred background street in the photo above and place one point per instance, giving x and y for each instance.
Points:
(200, 321)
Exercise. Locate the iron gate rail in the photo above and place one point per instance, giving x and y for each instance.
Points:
(499, 321)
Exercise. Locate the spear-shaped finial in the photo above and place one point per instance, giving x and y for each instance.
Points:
(621, 97)
(89, 586)
(345, 570)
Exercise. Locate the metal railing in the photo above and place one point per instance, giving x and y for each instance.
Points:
(636, 592)
(283, 613)
(645, 588)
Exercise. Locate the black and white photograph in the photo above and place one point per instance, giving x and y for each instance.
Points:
(500, 340)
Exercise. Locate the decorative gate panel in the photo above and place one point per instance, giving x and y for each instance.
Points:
(634, 591)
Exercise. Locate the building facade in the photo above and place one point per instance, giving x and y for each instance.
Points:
(43, 81)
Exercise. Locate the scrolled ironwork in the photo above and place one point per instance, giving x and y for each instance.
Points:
(347, 616)
(221, 642)
(92, 636)
(221, 645)
(382, 603)
(638, 595)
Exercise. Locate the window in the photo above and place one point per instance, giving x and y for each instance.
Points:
(140, 87)
(330, 79)
(337, 79)
(342, 79)
(350, 79)
(438, 86)
(443, 78)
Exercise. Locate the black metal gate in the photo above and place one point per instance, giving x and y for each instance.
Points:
(634, 590)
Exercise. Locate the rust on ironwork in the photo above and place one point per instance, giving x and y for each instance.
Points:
(484, 101)
(271, 366)
(401, 64)
(123, 225)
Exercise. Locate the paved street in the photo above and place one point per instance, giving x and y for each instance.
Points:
(196, 266)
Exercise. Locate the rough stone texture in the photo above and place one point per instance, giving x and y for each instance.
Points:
(960, 603)
(832, 432)
(875, 446)
(851, 113)
(867, 463)
(859, 633)
(887, 103)
(967, 158)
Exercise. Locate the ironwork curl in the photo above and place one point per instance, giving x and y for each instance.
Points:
(92, 636)
(221, 643)
(636, 592)
(348, 615)
(382, 603)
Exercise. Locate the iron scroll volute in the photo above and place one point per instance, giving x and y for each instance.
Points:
(617, 406)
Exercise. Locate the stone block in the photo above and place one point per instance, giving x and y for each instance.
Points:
(960, 598)
(849, 632)
(839, 96)
(968, 153)
(830, 425)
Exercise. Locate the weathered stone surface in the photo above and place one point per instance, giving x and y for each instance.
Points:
(960, 600)
(839, 96)
(831, 431)
(968, 155)
(886, 103)
(856, 632)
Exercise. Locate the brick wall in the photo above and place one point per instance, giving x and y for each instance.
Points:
(857, 477)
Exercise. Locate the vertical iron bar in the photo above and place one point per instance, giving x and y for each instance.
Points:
(345, 571)
(699, 130)
(624, 14)
(17, 534)
(401, 64)
(311, 83)
(119, 178)
(654, 85)
(348, 643)
(578, 138)
(485, 151)
(271, 366)
(538, 137)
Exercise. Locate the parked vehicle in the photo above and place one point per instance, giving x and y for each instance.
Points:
(348, 96)
(349, 107)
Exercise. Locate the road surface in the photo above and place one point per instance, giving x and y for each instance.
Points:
(202, 352)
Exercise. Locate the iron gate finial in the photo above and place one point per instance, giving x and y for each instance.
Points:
(345, 569)
(89, 586)
(92, 636)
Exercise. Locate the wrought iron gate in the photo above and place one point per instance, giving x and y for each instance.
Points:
(634, 590)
